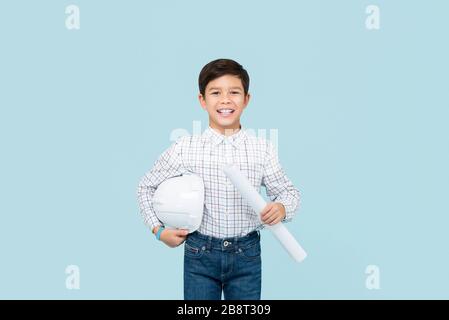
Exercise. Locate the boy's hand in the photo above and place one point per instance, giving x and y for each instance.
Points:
(173, 237)
(273, 213)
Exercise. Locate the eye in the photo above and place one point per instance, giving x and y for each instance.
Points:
(235, 92)
(214, 93)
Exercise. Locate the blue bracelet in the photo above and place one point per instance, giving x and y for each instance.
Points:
(158, 233)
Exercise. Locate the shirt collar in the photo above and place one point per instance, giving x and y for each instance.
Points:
(216, 137)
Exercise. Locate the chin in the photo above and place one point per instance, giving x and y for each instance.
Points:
(226, 124)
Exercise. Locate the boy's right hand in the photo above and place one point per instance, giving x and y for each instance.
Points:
(173, 237)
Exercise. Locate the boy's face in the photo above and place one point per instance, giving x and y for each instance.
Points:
(224, 101)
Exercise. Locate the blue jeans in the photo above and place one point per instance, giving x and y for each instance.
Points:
(231, 265)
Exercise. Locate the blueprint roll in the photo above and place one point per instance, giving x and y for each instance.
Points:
(255, 200)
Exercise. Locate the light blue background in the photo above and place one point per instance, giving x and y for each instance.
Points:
(361, 115)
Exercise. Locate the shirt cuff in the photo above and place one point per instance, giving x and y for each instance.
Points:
(153, 221)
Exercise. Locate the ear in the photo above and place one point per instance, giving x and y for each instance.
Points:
(202, 101)
(247, 98)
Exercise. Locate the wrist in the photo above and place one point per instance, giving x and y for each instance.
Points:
(283, 210)
(156, 229)
(159, 232)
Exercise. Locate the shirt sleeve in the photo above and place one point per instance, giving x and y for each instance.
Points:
(279, 187)
(168, 165)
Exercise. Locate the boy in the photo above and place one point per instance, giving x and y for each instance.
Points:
(223, 255)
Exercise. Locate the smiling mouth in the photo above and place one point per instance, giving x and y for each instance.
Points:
(225, 111)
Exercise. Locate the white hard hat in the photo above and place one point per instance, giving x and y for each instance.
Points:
(179, 202)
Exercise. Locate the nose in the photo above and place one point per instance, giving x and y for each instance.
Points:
(226, 99)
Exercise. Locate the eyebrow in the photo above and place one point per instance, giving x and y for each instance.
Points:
(216, 88)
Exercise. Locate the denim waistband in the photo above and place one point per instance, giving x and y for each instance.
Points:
(223, 243)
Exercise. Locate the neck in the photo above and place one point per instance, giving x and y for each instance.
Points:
(226, 131)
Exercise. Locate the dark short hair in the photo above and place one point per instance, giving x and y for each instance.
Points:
(221, 67)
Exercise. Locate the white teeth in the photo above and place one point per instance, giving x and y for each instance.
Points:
(225, 110)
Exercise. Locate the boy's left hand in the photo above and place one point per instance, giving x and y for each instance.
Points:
(273, 213)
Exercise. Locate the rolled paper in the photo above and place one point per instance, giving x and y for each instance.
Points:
(255, 200)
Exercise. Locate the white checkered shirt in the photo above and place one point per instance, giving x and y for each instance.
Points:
(226, 213)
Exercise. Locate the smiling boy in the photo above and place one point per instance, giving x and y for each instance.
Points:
(223, 255)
